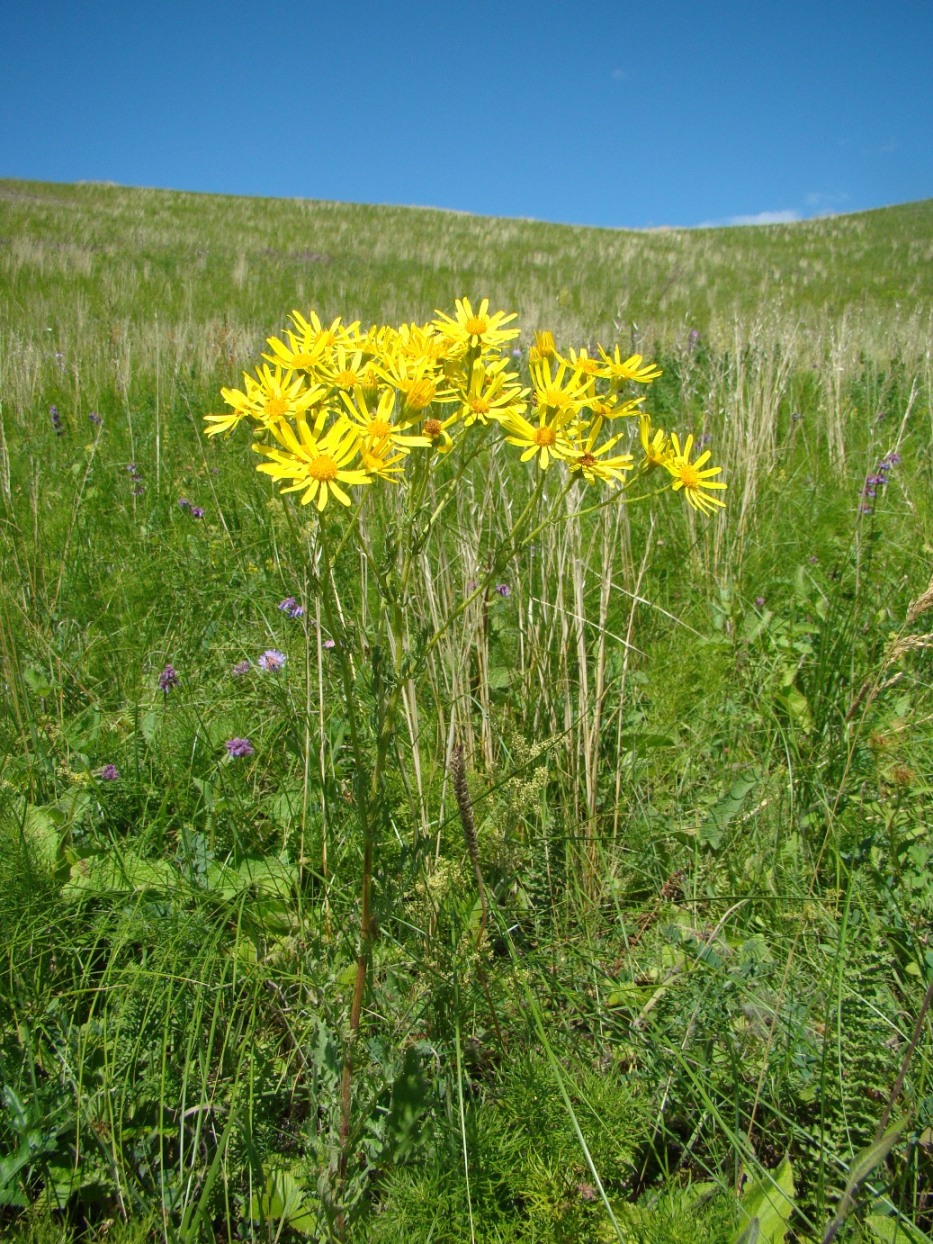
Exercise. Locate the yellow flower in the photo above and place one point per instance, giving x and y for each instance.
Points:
(438, 432)
(565, 391)
(617, 369)
(657, 449)
(375, 428)
(548, 440)
(308, 345)
(475, 331)
(589, 460)
(493, 393)
(318, 466)
(688, 476)
(276, 395)
(543, 347)
(580, 361)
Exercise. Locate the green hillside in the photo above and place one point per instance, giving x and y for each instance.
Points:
(204, 257)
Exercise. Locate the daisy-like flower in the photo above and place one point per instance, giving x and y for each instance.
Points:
(475, 331)
(590, 461)
(318, 466)
(546, 441)
(689, 478)
(342, 369)
(421, 343)
(375, 427)
(657, 449)
(563, 390)
(311, 340)
(274, 396)
(493, 393)
(618, 370)
(580, 361)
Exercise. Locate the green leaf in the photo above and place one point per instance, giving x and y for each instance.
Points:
(283, 1200)
(108, 874)
(767, 1205)
(723, 811)
(894, 1230)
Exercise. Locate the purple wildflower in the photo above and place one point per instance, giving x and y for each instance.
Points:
(138, 488)
(95, 418)
(132, 469)
(241, 668)
(168, 679)
(239, 747)
(329, 643)
(184, 503)
(56, 418)
(290, 606)
(109, 773)
(503, 589)
(759, 602)
(197, 511)
(693, 339)
(271, 660)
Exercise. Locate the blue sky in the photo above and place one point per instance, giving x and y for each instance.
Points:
(602, 113)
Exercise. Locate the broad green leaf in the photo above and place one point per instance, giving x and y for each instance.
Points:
(283, 1200)
(766, 1207)
(894, 1230)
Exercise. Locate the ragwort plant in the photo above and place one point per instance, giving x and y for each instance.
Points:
(339, 413)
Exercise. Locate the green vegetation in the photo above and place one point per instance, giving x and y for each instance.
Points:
(699, 754)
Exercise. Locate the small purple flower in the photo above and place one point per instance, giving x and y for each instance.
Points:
(517, 352)
(138, 488)
(329, 643)
(759, 602)
(132, 469)
(56, 418)
(184, 503)
(693, 339)
(109, 773)
(95, 418)
(290, 606)
(271, 660)
(197, 511)
(241, 668)
(503, 589)
(168, 679)
(239, 747)
(893, 459)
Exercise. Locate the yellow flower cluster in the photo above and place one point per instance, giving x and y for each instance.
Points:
(337, 406)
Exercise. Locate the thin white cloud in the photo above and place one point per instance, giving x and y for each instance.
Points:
(619, 75)
(766, 218)
(786, 217)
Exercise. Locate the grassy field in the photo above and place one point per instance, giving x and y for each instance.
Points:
(678, 992)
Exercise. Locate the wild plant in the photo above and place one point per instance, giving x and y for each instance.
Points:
(335, 410)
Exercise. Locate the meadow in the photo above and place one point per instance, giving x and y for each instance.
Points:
(643, 891)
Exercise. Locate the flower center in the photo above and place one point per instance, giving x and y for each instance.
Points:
(586, 460)
(302, 360)
(346, 379)
(322, 468)
(479, 406)
(276, 407)
(545, 436)
(476, 325)
(690, 476)
(379, 428)
(432, 428)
